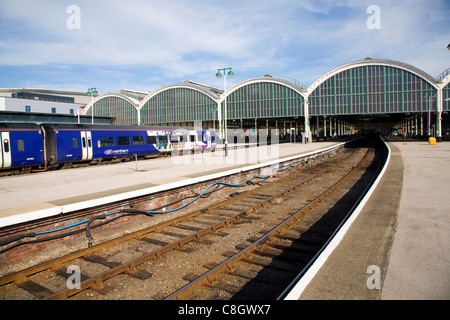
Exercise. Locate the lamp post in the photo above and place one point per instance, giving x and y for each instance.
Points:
(218, 76)
(91, 91)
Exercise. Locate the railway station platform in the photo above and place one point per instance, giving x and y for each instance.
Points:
(39, 195)
(398, 248)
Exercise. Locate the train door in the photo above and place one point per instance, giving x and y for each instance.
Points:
(208, 139)
(5, 154)
(86, 145)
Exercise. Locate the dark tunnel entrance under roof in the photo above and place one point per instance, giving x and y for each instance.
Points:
(412, 125)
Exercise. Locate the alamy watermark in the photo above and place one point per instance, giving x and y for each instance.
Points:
(243, 148)
(374, 280)
(374, 20)
(73, 21)
(74, 280)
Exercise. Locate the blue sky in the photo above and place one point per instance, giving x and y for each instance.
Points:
(144, 45)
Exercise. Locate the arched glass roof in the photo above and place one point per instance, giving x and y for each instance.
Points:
(184, 102)
(368, 62)
(123, 108)
(372, 87)
(264, 97)
(369, 86)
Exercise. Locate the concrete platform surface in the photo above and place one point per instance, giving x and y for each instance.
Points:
(399, 245)
(419, 265)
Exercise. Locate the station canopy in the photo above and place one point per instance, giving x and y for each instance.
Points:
(364, 87)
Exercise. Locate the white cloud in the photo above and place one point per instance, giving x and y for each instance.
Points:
(170, 40)
(138, 32)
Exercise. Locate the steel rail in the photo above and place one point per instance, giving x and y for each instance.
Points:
(350, 212)
(210, 277)
(96, 282)
(130, 267)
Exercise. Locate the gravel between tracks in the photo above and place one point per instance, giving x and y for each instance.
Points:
(123, 286)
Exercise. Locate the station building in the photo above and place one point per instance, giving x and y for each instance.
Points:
(45, 105)
(369, 95)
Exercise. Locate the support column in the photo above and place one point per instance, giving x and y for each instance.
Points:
(439, 109)
(421, 124)
(317, 127)
(331, 127)
(307, 133)
(416, 131)
(335, 127)
(219, 119)
(409, 125)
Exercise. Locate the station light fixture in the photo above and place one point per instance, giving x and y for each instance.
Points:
(230, 73)
(218, 76)
(92, 91)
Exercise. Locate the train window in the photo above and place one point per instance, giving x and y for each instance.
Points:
(151, 139)
(173, 139)
(20, 145)
(213, 138)
(163, 139)
(83, 142)
(74, 143)
(5, 145)
(89, 143)
(138, 140)
(192, 138)
(107, 142)
(123, 141)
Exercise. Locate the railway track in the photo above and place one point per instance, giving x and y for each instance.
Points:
(255, 239)
(263, 266)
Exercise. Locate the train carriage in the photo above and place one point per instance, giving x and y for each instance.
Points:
(121, 143)
(22, 145)
(75, 143)
(208, 141)
(200, 140)
(56, 145)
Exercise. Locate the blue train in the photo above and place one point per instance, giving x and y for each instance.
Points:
(28, 146)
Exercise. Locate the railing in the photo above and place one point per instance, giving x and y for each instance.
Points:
(443, 74)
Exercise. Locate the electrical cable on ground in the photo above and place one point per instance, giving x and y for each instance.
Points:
(128, 212)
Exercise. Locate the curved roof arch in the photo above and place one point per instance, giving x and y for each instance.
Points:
(132, 101)
(369, 62)
(198, 88)
(269, 79)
